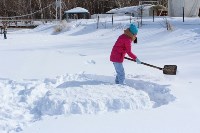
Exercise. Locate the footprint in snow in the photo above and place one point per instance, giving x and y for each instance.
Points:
(90, 62)
(82, 55)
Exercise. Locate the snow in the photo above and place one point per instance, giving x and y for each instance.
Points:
(77, 10)
(58, 78)
(131, 9)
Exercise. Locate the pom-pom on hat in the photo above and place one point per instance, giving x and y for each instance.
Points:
(133, 29)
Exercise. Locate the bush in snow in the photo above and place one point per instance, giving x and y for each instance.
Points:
(59, 27)
(62, 26)
(168, 25)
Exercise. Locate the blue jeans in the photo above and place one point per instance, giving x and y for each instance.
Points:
(120, 77)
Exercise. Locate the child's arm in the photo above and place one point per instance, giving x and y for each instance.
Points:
(129, 52)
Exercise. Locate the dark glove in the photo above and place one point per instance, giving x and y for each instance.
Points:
(135, 41)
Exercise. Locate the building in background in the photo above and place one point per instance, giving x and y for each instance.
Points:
(191, 8)
(76, 13)
(146, 9)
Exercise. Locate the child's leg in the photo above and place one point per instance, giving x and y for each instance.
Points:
(116, 80)
(120, 73)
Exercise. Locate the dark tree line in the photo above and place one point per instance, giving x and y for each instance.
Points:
(46, 9)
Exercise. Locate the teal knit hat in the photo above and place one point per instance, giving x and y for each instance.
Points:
(133, 29)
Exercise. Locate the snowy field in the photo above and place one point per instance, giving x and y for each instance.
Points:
(58, 82)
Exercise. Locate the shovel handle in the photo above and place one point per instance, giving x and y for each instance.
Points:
(146, 64)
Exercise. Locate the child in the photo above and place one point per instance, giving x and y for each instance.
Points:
(5, 32)
(121, 47)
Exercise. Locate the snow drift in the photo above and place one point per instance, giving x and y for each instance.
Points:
(29, 100)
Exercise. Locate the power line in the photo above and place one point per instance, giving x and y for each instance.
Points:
(30, 13)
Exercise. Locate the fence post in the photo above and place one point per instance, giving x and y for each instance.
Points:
(138, 24)
(153, 15)
(112, 20)
(141, 15)
(1, 30)
(98, 22)
(183, 15)
(199, 12)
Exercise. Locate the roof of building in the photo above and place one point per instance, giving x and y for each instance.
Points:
(77, 10)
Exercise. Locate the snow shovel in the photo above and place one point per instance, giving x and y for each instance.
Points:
(168, 69)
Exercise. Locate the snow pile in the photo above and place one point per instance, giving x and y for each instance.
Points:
(30, 100)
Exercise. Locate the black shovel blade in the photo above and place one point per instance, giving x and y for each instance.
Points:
(170, 69)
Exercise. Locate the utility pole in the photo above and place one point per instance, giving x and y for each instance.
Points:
(56, 10)
(60, 10)
(59, 5)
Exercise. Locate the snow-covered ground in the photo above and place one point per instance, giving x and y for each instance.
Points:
(64, 82)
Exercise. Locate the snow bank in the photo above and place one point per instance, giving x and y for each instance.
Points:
(29, 100)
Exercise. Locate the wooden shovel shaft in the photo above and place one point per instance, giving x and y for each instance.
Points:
(151, 65)
(144, 63)
(168, 69)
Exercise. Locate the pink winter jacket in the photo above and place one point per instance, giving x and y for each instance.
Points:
(121, 47)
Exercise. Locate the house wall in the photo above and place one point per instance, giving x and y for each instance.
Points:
(191, 8)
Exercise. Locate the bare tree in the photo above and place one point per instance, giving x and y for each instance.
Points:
(46, 9)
